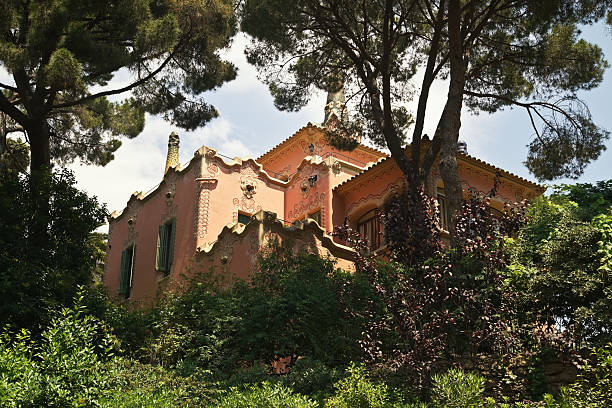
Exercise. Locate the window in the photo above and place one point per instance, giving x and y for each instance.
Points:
(316, 216)
(165, 246)
(126, 272)
(443, 209)
(368, 227)
(244, 218)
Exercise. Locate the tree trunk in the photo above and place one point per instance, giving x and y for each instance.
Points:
(40, 155)
(2, 143)
(450, 127)
(40, 168)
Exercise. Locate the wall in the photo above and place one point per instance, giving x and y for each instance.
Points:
(287, 156)
(138, 224)
(227, 188)
(234, 254)
(370, 189)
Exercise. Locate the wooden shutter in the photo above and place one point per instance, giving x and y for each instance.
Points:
(130, 274)
(171, 244)
(123, 272)
(161, 262)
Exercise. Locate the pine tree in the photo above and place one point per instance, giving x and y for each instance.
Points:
(496, 53)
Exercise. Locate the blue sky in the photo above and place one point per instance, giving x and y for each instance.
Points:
(249, 124)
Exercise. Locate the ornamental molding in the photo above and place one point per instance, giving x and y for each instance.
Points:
(507, 190)
(336, 167)
(378, 199)
(245, 204)
(233, 236)
(301, 209)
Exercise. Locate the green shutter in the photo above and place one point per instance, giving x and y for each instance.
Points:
(171, 244)
(130, 274)
(161, 262)
(123, 272)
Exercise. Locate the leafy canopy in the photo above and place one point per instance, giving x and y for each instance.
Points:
(39, 274)
(63, 54)
(514, 53)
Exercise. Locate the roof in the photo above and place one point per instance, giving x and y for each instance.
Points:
(317, 127)
(461, 156)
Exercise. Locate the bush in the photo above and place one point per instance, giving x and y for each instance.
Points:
(264, 396)
(136, 385)
(594, 386)
(67, 369)
(437, 304)
(457, 389)
(312, 377)
(561, 263)
(358, 391)
(43, 274)
(291, 308)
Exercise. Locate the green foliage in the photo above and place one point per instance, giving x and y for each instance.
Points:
(264, 396)
(57, 52)
(66, 369)
(594, 386)
(603, 225)
(358, 391)
(561, 262)
(198, 327)
(312, 377)
(135, 385)
(16, 157)
(42, 273)
(591, 199)
(457, 389)
(291, 309)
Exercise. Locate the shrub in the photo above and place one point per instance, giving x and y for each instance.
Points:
(438, 304)
(264, 396)
(67, 369)
(136, 385)
(291, 308)
(196, 328)
(40, 275)
(561, 265)
(457, 389)
(308, 377)
(358, 391)
(594, 386)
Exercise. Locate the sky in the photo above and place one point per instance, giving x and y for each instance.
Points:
(249, 125)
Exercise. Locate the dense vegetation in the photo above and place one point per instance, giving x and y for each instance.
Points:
(428, 327)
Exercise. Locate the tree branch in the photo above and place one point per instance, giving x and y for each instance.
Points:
(120, 90)
(8, 87)
(7, 107)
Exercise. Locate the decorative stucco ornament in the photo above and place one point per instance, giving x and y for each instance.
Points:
(336, 168)
(248, 185)
(170, 194)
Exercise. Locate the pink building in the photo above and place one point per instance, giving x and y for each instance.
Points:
(217, 213)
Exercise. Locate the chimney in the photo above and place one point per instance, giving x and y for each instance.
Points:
(336, 103)
(173, 151)
(462, 146)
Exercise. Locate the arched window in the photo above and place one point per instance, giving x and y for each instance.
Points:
(370, 229)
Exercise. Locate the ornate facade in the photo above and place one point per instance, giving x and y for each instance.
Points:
(216, 214)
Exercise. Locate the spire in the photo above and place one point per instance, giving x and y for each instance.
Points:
(173, 151)
(336, 104)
